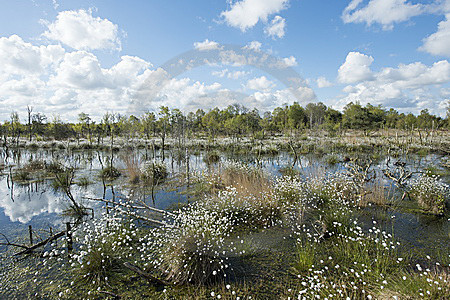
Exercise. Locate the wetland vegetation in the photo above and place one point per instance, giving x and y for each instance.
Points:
(301, 203)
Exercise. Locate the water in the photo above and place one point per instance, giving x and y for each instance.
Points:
(38, 204)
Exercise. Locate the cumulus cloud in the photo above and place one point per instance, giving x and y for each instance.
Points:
(82, 31)
(20, 58)
(206, 45)
(276, 27)
(384, 12)
(245, 14)
(322, 82)
(438, 43)
(260, 84)
(356, 68)
(408, 87)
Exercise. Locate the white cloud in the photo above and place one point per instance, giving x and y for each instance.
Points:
(438, 43)
(260, 84)
(276, 27)
(290, 61)
(81, 31)
(356, 68)
(265, 100)
(237, 74)
(408, 87)
(322, 82)
(246, 13)
(55, 4)
(254, 45)
(230, 74)
(221, 73)
(20, 58)
(207, 45)
(383, 12)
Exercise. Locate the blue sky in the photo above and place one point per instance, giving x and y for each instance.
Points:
(64, 57)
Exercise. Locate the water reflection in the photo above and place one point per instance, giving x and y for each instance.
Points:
(22, 202)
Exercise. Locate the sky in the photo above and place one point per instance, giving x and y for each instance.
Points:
(67, 57)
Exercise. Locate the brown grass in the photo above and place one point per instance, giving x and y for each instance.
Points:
(133, 171)
(375, 193)
(252, 183)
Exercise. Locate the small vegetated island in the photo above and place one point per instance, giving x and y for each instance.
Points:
(296, 203)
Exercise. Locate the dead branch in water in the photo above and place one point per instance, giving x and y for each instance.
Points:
(29, 249)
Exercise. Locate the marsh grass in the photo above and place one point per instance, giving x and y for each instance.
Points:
(191, 251)
(212, 157)
(132, 168)
(247, 180)
(376, 193)
(83, 181)
(154, 170)
(29, 171)
(34, 165)
(432, 284)
(332, 159)
(349, 263)
(99, 259)
(430, 193)
(22, 176)
(54, 167)
(110, 173)
(304, 258)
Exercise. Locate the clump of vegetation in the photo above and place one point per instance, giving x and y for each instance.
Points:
(54, 167)
(247, 179)
(430, 193)
(289, 171)
(83, 181)
(29, 171)
(110, 173)
(332, 159)
(192, 250)
(133, 168)
(212, 157)
(34, 165)
(432, 170)
(22, 175)
(154, 170)
(106, 241)
(424, 284)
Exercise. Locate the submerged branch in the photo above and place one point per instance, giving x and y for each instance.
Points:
(43, 243)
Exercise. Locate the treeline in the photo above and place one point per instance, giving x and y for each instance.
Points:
(235, 121)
